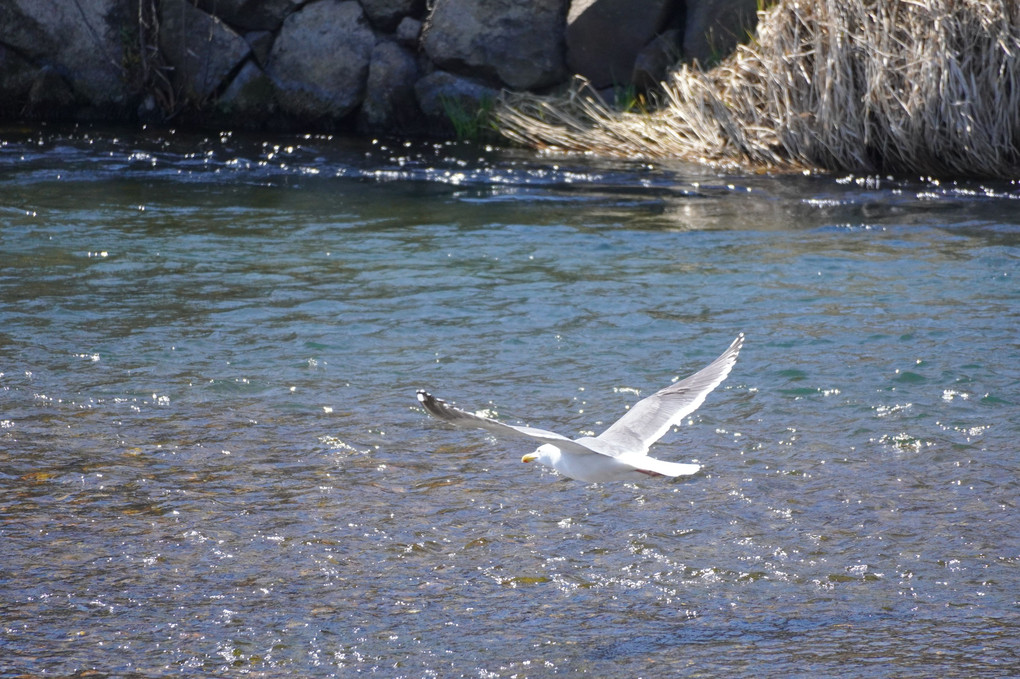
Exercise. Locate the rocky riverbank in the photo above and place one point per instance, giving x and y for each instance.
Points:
(915, 88)
(391, 67)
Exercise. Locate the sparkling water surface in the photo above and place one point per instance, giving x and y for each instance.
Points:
(212, 461)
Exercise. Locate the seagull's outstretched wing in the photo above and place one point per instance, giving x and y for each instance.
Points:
(655, 466)
(460, 418)
(650, 418)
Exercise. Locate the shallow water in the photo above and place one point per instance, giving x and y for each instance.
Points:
(212, 461)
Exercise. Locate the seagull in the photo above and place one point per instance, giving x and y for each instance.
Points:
(620, 453)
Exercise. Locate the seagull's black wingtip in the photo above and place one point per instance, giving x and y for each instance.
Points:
(433, 406)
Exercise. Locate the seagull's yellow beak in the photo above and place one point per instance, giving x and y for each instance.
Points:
(530, 457)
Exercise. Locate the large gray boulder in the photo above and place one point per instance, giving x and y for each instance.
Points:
(390, 104)
(604, 37)
(319, 63)
(518, 44)
(202, 50)
(713, 28)
(23, 30)
(80, 40)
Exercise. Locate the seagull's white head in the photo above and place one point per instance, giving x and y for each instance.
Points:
(546, 453)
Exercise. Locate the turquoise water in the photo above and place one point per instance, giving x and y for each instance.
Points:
(212, 460)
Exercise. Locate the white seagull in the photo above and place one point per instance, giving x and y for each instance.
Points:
(620, 453)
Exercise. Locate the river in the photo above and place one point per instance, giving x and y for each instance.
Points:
(212, 461)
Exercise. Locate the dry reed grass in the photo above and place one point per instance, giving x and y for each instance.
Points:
(928, 87)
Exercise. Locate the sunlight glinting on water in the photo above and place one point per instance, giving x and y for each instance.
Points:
(212, 460)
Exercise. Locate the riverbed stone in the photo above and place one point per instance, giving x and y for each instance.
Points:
(604, 37)
(320, 60)
(518, 44)
(81, 40)
(714, 28)
(390, 103)
(202, 50)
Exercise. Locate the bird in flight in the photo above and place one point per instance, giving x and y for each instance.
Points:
(620, 453)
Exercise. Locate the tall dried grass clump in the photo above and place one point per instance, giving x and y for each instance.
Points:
(930, 87)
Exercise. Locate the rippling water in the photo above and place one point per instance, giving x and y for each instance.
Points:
(212, 461)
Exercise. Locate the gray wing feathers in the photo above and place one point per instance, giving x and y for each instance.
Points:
(460, 418)
(649, 419)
